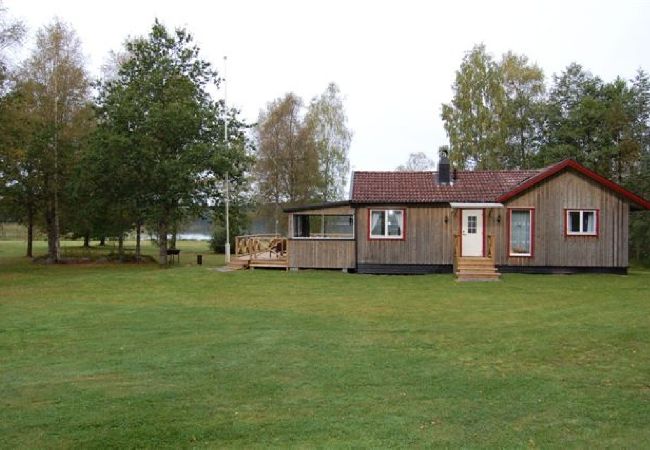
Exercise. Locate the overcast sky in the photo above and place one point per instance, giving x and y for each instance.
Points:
(394, 61)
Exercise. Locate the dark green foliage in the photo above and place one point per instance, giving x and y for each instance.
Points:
(163, 128)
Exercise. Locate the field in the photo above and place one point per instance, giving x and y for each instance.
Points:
(114, 355)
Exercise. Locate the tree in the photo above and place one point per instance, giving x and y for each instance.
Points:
(473, 118)
(11, 34)
(13, 193)
(54, 84)
(493, 120)
(287, 168)
(162, 125)
(639, 177)
(594, 122)
(524, 88)
(21, 176)
(417, 162)
(327, 120)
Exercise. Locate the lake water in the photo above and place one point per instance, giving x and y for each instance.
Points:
(193, 237)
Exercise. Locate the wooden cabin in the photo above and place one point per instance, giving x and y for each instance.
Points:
(561, 219)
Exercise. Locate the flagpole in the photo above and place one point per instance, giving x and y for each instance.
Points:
(225, 128)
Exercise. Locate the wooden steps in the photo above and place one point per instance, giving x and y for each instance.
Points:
(476, 268)
(257, 263)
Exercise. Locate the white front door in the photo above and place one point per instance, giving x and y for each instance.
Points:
(472, 232)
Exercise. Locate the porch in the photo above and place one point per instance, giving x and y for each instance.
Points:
(474, 247)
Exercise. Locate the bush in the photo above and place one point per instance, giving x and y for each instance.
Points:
(218, 241)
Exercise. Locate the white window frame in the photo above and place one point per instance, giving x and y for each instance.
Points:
(385, 235)
(582, 215)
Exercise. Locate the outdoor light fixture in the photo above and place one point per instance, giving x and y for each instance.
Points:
(499, 218)
(446, 219)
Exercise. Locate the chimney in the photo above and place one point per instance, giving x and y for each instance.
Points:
(443, 168)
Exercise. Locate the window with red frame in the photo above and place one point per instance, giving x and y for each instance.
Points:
(387, 223)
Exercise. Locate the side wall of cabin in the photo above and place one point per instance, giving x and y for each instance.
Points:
(552, 248)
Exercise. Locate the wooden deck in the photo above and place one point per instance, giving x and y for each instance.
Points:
(260, 251)
(261, 260)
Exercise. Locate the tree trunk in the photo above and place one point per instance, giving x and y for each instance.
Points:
(162, 243)
(87, 240)
(53, 249)
(102, 241)
(120, 247)
(30, 232)
(173, 240)
(138, 232)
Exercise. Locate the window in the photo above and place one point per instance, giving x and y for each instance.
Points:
(471, 224)
(321, 226)
(521, 232)
(387, 224)
(582, 222)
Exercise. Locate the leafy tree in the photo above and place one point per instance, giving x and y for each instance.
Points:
(472, 119)
(13, 194)
(163, 126)
(594, 122)
(523, 85)
(639, 178)
(327, 120)
(493, 120)
(54, 86)
(417, 162)
(287, 167)
(11, 34)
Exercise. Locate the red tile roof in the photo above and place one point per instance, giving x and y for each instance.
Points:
(422, 187)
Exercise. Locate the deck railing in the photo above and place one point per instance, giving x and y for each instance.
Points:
(489, 247)
(256, 244)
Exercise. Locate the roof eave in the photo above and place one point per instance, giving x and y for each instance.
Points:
(324, 205)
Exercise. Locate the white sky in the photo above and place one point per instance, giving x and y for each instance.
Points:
(394, 61)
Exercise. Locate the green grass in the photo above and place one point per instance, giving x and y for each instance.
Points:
(137, 356)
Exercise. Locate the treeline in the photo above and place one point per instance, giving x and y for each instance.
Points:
(504, 115)
(145, 146)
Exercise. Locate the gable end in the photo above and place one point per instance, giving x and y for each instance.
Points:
(637, 200)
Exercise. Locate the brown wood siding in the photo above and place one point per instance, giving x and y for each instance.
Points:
(321, 254)
(428, 239)
(550, 199)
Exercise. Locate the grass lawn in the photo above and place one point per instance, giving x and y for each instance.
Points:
(136, 356)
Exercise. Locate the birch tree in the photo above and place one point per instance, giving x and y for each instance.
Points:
(287, 168)
(327, 121)
(55, 85)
